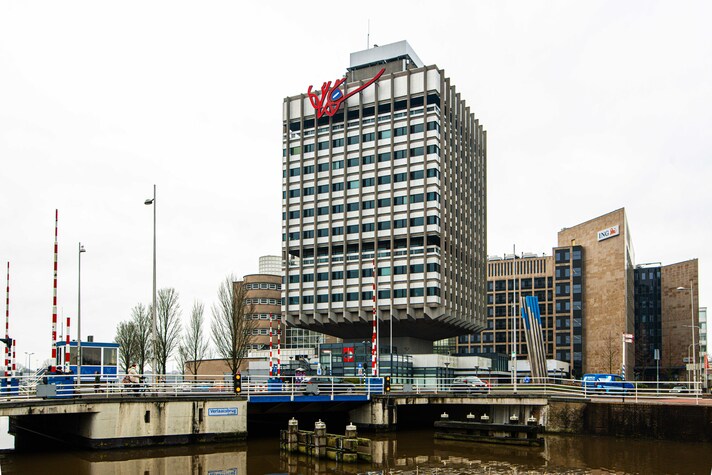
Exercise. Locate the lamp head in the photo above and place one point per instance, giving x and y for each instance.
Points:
(682, 288)
(148, 201)
(81, 248)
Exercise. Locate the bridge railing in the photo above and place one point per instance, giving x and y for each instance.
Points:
(116, 386)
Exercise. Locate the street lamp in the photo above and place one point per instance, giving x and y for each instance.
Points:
(152, 201)
(390, 331)
(29, 360)
(79, 318)
(692, 329)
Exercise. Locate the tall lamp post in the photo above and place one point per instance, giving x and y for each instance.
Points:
(390, 331)
(79, 317)
(154, 329)
(29, 360)
(692, 329)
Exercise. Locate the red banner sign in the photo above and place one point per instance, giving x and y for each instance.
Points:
(330, 99)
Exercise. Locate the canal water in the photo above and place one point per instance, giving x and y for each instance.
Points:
(404, 453)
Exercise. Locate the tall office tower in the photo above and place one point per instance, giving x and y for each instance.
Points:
(384, 168)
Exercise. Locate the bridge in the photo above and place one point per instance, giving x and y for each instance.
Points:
(114, 414)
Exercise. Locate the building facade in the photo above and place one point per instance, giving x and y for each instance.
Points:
(264, 293)
(271, 265)
(384, 184)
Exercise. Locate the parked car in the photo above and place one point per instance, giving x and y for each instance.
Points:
(680, 388)
(468, 384)
(316, 385)
(605, 382)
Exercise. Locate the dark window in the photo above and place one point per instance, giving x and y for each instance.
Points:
(323, 167)
(384, 202)
(417, 198)
(322, 276)
(384, 134)
(352, 140)
(399, 131)
(367, 227)
(323, 146)
(295, 193)
(308, 234)
(337, 297)
(308, 299)
(337, 186)
(352, 206)
(384, 225)
(295, 171)
(322, 189)
(417, 292)
(400, 177)
(399, 154)
(433, 172)
(337, 209)
(338, 143)
(308, 169)
(309, 147)
(370, 137)
(352, 229)
(416, 151)
(432, 196)
(399, 200)
(368, 182)
(416, 174)
(352, 162)
(370, 204)
(384, 179)
(415, 128)
(294, 215)
(337, 275)
(352, 274)
(419, 221)
(433, 149)
(400, 223)
(323, 232)
(322, 298)
(337, 165)
(352, 184)
(368, 159)
(337, 231)
(384, 157)
(433, 126)
(322, 210)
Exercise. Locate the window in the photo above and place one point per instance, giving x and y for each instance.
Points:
(367, 227)
(382, 225)
(293, 301)
(337, 231)
(352, 296)
(368, 182)
(308, 191)
(295, 150)
(384, 134)
(294, 236)
(337, 209)
(416, 151)
(295, 171)
(399, 200)
(434, 291)
(433, 149)
(400, 223)
(337, 186)
(432, 196)
(369, 137)
(352, 206)
(323, 167)
(323, 146)
(338, 143)
(433, 172)
(352, 229)
(323, 232)
(308, 299)
(337, 165)
(337, 297)
(323, 210)
(322, 276)
(295, 193)
(294, 214)
(415, 128)
(337, 275)
(308, 278)
(384, 271)
(433, 126)
(367, 272)
(384, 157)
(91, 356)
(416, 198)
(109, 356)
(352, 140)
(294, 279)
(352, 162)
(400, 177)
(308, 169)
(384, 202)
(400, 293)
(309, 147)
(322, 298)
(352, 184)
(399, 154)
(308, 234)
(433, 267)
(352, 274)
(384, 294)
(368, 159)
(417, 292)
(369, 204)
(416, 174)
(400, 131)
(419, 221)
(400, 270)
(433, 220)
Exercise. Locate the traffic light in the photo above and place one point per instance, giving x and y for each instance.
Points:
(6, 341)
(238, 383)
(387, 384)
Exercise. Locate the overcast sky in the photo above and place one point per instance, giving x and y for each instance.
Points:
(589, 107)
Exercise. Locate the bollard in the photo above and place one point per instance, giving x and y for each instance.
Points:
(470, 416)
(513, 419)
(484, 417)
(531, 421)
(319, 449)
(293, 435)
(444, 415)
(351, 432)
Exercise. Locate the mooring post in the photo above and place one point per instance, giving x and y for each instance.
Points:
(319, 439)
(351, 432)
(293, 435)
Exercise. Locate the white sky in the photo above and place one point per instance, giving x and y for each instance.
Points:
(589, 106)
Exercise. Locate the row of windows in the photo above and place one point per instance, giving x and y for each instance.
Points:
(359, 296)
(366, 227)
(368, 204)
(262, 286)
(261, 301)
(354, 273)
(264, 316)
(368, 137)
(353, 184)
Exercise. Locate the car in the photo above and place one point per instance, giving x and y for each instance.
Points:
(468, 384)
(606, 382)
(325, 385)
(680, 389)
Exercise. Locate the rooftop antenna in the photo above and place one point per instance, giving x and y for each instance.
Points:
(368, 34)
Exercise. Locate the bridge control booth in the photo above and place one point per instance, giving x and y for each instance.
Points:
(98, 359)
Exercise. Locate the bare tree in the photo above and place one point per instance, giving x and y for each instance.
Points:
(141, 320)
(169, 327)
(194, 347)
(611, 352)
(127, 339)
(232, 324)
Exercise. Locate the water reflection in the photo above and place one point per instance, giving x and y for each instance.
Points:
(404, 453)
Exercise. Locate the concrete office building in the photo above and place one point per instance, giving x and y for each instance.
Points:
(387, 168)
(271, 265)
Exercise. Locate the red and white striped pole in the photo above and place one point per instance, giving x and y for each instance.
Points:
(279, 347)
(374, 337)
(54, 293)
(67, 360)
(270, 344)
(7, 323)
